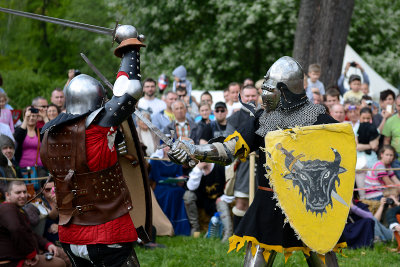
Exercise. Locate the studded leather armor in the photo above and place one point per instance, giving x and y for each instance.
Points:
(83, 197)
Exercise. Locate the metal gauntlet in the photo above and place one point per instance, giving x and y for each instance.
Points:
(183, 152)
(220, 153)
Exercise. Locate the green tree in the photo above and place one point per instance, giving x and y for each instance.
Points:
(375, 35)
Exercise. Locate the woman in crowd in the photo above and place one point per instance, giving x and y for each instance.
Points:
(379, 175)
(205, 111)
(27, 154)
(147, 137)
(5, 113)
(53, 111)
(169, 195)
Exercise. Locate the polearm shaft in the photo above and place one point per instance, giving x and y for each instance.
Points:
(63, 22)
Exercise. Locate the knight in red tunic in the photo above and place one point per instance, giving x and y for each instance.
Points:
(78, 149)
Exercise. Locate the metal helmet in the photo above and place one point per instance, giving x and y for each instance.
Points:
(84, 93)
(285, 75)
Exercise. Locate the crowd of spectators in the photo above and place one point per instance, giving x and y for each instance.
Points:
(189, 195)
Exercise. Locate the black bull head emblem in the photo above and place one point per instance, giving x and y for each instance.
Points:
(315, 178)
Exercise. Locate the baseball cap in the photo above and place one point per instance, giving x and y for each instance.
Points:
(354, 77)
(220, 105)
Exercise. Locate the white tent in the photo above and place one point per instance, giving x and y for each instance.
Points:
(377, 83)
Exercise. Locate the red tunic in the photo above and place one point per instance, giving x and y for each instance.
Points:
(99, 156)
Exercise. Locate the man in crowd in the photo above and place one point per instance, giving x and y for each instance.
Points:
(164, 117)
(206, 183)
(41, 104)
(182, 127)
(58, 99)
(332, 97)
(337, 112)
(190, 101)
(249, 94)
(20, 246)
(216, 128)
(386, 101)
(206, 97)
(233, 103)
(391, 133)
(149, 101)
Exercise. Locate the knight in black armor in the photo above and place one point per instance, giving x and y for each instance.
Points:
(285, 105)
(78, 149)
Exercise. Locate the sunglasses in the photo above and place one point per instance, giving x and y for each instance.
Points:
(351, 108)
(220, 110)
(47, 189)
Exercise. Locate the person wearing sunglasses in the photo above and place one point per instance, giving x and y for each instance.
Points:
(216, 128)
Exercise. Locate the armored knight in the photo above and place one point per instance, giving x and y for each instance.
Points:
(95, 227)
(285, 106)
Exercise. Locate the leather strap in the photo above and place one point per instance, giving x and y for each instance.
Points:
(265, 188)
(38, 148)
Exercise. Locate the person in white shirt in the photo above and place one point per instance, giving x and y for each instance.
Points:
(149, 102)
(233, 104)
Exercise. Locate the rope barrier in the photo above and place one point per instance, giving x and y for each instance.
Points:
(376, 187)
(24, 179)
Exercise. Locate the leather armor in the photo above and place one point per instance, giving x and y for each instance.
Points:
(83, 197)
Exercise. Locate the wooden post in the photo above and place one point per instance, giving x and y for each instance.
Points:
(252, 171)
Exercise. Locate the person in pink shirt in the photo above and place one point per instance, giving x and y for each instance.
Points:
(27, 154)
(5, 114)
(379, 175)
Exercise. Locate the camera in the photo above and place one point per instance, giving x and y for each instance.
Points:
(353, 64)
(48, 256)
(389, 201)
(34, 110)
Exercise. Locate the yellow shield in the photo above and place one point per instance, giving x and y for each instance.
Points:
(312, 172)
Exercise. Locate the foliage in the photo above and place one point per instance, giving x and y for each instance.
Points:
(199, 252)
(217, 41)
(375, 35)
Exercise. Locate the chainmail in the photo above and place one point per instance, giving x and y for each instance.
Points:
(285, 119)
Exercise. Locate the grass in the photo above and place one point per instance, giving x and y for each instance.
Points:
(198, 252)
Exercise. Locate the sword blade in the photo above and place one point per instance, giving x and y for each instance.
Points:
(168, 141)
(63, 22)
(98, 73)
(339, 198)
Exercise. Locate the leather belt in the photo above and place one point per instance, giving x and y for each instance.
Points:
(265, 188)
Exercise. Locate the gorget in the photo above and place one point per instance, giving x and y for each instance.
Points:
(284, 119)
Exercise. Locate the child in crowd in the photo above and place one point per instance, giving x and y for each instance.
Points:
(5, 113)
(314, 72)
(317, 98)
(379, 175)
(354, 94)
